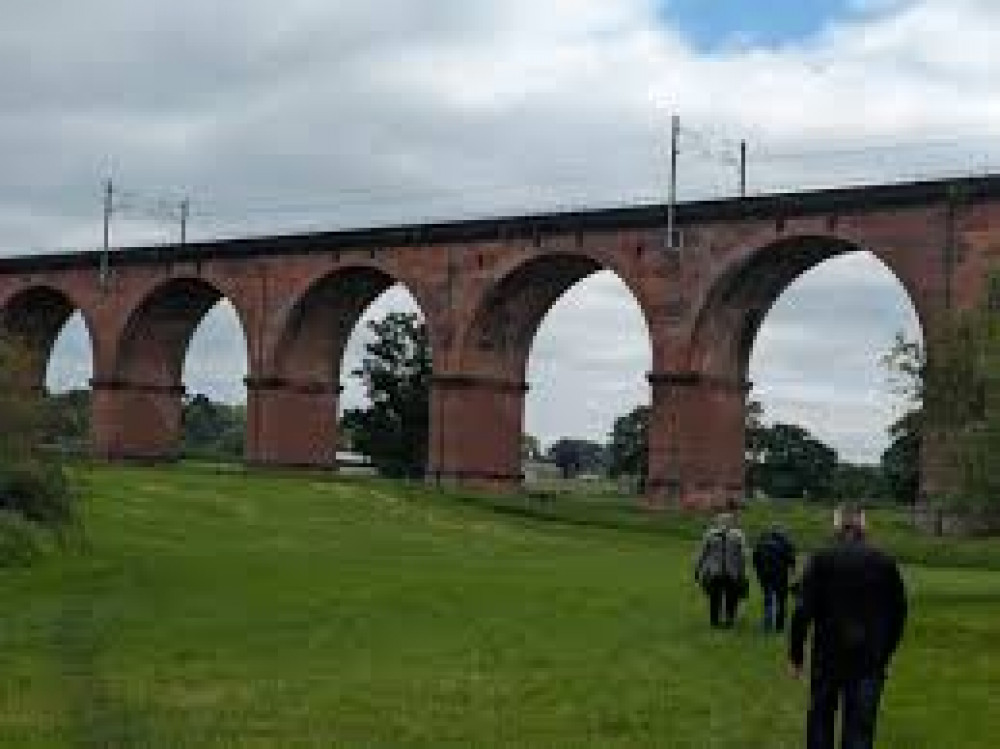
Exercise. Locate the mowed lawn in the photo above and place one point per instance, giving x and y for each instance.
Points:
(223, 609)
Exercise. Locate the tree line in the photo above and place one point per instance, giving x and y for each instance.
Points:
(782, 460)
(209, 429)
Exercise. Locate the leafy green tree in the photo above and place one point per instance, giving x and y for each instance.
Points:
(629, 447)
(33, 484)
(954, 392)
(396, 372)
(900, 461)
(793, 463)
(531, 447)
(906, 364)
(753, 442)
(854, 482)
(961, 397)
(68, 420)
(575, 456)
(22, 407)
(213, 429)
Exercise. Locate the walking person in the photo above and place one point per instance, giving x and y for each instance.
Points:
(773, 561)
(853, 598)
(721, 569)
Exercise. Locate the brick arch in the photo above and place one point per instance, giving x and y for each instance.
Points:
(312, 331)
(697, 432)
(293, 400)
(138, 392)
(497, 335)
(35, 316)
(733, 307)
(156, 330)
(478, 404)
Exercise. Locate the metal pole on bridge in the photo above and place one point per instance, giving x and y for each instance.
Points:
(185, 212)
(108, 207)
(743, 168)
(675, 130)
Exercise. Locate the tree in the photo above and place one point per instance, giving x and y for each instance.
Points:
(853, 482)
(22, 408)
(396, 372)
(531, 448)
(906, 363)
(33, 484)
(783, 459)
(213, 429)
(574, 456)
(628, 451)
(753, 430)
(961, 405)
(900, 461)
(68, 420)
(793, 463)
(954, 393)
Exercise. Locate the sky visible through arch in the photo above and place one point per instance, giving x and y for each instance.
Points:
(329, 113)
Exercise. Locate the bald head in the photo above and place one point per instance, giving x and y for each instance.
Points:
(850, 519)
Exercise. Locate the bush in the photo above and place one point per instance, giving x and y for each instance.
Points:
(39, 491)
(21, 541)
(33, 485)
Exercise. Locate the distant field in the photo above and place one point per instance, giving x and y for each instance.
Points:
(214, 608)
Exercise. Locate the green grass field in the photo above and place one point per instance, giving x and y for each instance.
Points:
(223, 609)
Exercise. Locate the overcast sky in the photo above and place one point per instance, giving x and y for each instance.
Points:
(318, 114)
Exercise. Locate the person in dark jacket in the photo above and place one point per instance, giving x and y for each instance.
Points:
(773, 560)
(853, 598)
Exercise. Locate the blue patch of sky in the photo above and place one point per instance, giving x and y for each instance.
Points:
(711, 24)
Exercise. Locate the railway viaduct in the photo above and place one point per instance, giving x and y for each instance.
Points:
(484, 287)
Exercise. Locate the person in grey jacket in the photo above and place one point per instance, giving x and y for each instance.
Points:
(720, 569)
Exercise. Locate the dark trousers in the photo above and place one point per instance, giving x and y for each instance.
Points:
(723, 598)
(775, 605)
(858, 699)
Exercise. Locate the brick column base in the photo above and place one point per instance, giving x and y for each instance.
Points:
(696, 441)
(134, 421)
(291, 424)
(475, 434)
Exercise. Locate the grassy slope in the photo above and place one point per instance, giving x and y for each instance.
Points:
(216, 610)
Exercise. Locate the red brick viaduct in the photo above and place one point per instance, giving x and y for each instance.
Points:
(484, 287)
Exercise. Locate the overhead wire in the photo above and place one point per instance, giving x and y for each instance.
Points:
(773, 169)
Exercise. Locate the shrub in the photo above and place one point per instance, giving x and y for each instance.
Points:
(38, 490)
(34, 487)
(21, 541)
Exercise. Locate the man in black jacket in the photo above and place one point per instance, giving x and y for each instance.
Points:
(853, 597)
(773, 560)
